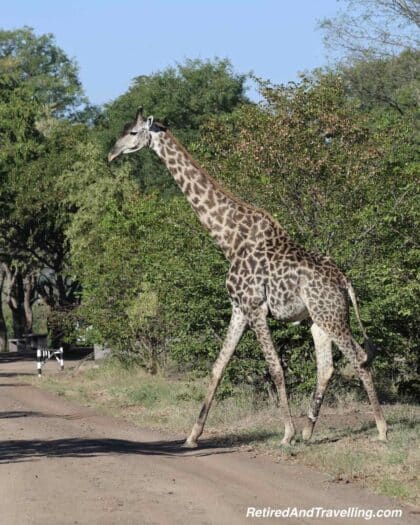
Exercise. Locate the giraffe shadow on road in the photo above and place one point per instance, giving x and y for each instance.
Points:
(15, 451)
(16, 374)
(12, 385)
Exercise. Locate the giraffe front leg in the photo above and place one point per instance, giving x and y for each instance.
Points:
(324, 363)
(236, 329)
(275, 368)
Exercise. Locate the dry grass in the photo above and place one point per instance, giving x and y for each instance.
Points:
(343, 445)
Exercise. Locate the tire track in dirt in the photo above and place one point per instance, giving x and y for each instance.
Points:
(63, 464)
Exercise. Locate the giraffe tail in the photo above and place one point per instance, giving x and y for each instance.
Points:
(369, 347)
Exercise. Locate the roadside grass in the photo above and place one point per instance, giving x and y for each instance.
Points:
(343, 445)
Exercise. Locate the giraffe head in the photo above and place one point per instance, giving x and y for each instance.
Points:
(135, 136)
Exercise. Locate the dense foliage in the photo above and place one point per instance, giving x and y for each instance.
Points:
(343, 182)
(120, 257)
(180, 97)
(39, 88)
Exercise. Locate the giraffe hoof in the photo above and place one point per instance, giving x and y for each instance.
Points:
(381, 438)
(287, 441)
(189, 444)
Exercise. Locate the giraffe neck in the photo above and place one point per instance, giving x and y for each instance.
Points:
(218, 211)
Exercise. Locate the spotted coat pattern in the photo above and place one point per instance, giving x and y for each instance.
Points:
(269, 274)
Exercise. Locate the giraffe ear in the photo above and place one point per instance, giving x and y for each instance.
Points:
(150, 121)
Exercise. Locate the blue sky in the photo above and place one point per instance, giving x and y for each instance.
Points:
(114, 41)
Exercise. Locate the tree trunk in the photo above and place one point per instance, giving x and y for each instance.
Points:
(57, 303)
(28, 299)
(61, 295)
(55, 331)
(3, 328)
(17, 307)
(19, 294)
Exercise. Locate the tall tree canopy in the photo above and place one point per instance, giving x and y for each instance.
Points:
(39, 85)
(49, 76)
(182, 97)
(332, 156)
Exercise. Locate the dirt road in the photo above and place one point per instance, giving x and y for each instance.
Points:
(61, 464)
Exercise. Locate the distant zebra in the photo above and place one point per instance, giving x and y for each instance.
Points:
(43, 354)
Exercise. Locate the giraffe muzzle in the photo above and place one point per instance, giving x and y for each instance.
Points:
(113, 155)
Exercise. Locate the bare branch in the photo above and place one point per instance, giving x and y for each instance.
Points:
(375, 28)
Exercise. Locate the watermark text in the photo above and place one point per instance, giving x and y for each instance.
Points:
(322, 512)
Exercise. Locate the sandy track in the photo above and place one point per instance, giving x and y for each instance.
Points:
(61, 464)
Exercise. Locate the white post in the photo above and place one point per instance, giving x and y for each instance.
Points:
(38, 361)
(61, 358)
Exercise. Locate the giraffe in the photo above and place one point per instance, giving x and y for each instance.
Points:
(269, 274)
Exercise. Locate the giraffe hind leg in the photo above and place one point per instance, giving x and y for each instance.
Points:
(332, 318)
(357, 357)
(325, 369)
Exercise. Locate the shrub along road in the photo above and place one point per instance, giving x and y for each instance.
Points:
(63, 463)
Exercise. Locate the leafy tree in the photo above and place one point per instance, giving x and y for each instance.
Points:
(337, 182)
(38, 85)
(133, 238)
(182, 97)
(21, 142)
(380, 71)
(45, 71)
(385, 84)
